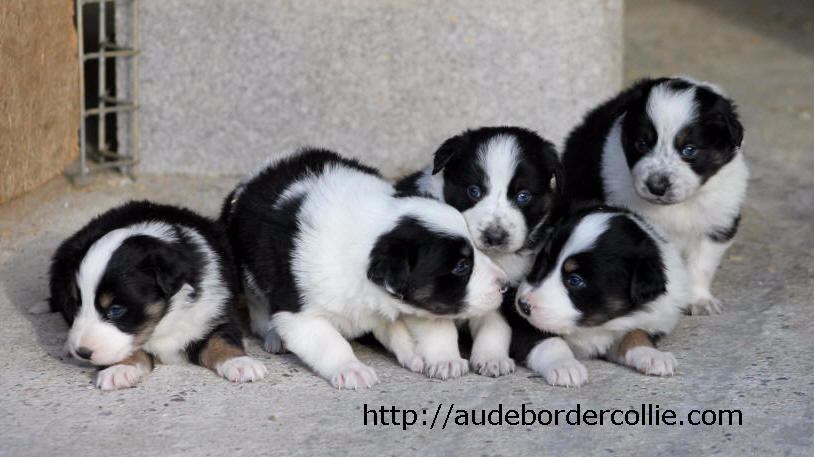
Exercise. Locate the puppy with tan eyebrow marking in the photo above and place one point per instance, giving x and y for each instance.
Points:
(606, 284)
(143, 282)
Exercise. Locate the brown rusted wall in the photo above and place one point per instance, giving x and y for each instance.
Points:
(39, 95)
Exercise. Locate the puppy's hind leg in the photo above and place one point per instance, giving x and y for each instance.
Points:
(320, 345)
(636, 350)
(223, 352)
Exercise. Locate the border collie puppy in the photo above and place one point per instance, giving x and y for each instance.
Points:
(146, 281)
(605, 284)
(670, 150)
(327, 252)
(505, 181)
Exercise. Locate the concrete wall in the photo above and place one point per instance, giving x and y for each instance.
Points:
(226, 84)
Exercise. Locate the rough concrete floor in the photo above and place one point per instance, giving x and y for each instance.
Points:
(757, 357)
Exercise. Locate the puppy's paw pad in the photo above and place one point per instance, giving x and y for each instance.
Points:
(566, 373)
(447, 369)
(354, 375)
(706, 307)
(242, 369)
(273, 343)
(493, 367)
(119, 377)
(651, 361)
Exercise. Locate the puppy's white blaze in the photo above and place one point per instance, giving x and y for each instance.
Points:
(670, 111)
(483, 290)
(108, 344)
(552, 309)
(498, 158)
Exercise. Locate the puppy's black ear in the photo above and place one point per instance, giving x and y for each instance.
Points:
(389, 266)
(170, 268)
(559, 179)
(734, 127)
(447, 151)
(648, 280)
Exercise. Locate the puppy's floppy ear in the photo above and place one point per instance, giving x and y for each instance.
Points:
(733, 126)
(170, 268)
(389, 266)
(559, 179)
(648, 280)
(447, 151)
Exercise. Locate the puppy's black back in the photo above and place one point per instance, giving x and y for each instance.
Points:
(262, 228)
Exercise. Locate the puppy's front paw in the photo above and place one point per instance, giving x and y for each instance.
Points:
(242, 369)
(706, 306)
(495, 367)
(354, 375)
(651, 361)
(566, 373)
(447, 369)
(273, 343)
(120, 376)
(414, 364)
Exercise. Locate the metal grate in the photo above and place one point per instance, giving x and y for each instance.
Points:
(105, 157)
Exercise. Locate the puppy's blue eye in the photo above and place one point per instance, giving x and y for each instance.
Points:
(474, 192)
(689, 151)
(641, 145)
(462, 267)
(116, 311)
(523, 196)
(575, 281)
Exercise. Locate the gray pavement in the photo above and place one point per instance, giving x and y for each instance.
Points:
(756, 357)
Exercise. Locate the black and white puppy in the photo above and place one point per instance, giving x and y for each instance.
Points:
(327, 252)
(603, 285)
(506, 182)
(670, 150)
(145, 281)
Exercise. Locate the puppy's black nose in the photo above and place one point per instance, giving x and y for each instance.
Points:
(658, 185)
(495, 237)
(525, 307)
(84, 352)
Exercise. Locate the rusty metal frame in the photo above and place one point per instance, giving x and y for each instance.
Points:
(107, 104)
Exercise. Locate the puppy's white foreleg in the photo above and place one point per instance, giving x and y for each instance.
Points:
(702, 260)
(553, 359)
(437, 343)
(397, 339)
(317, 343)
(491, 338)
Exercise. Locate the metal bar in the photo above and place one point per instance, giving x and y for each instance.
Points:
(134, 132)
(82, 131)
(112, 164)
(102, 140)
(110, 109)
(119, 53)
